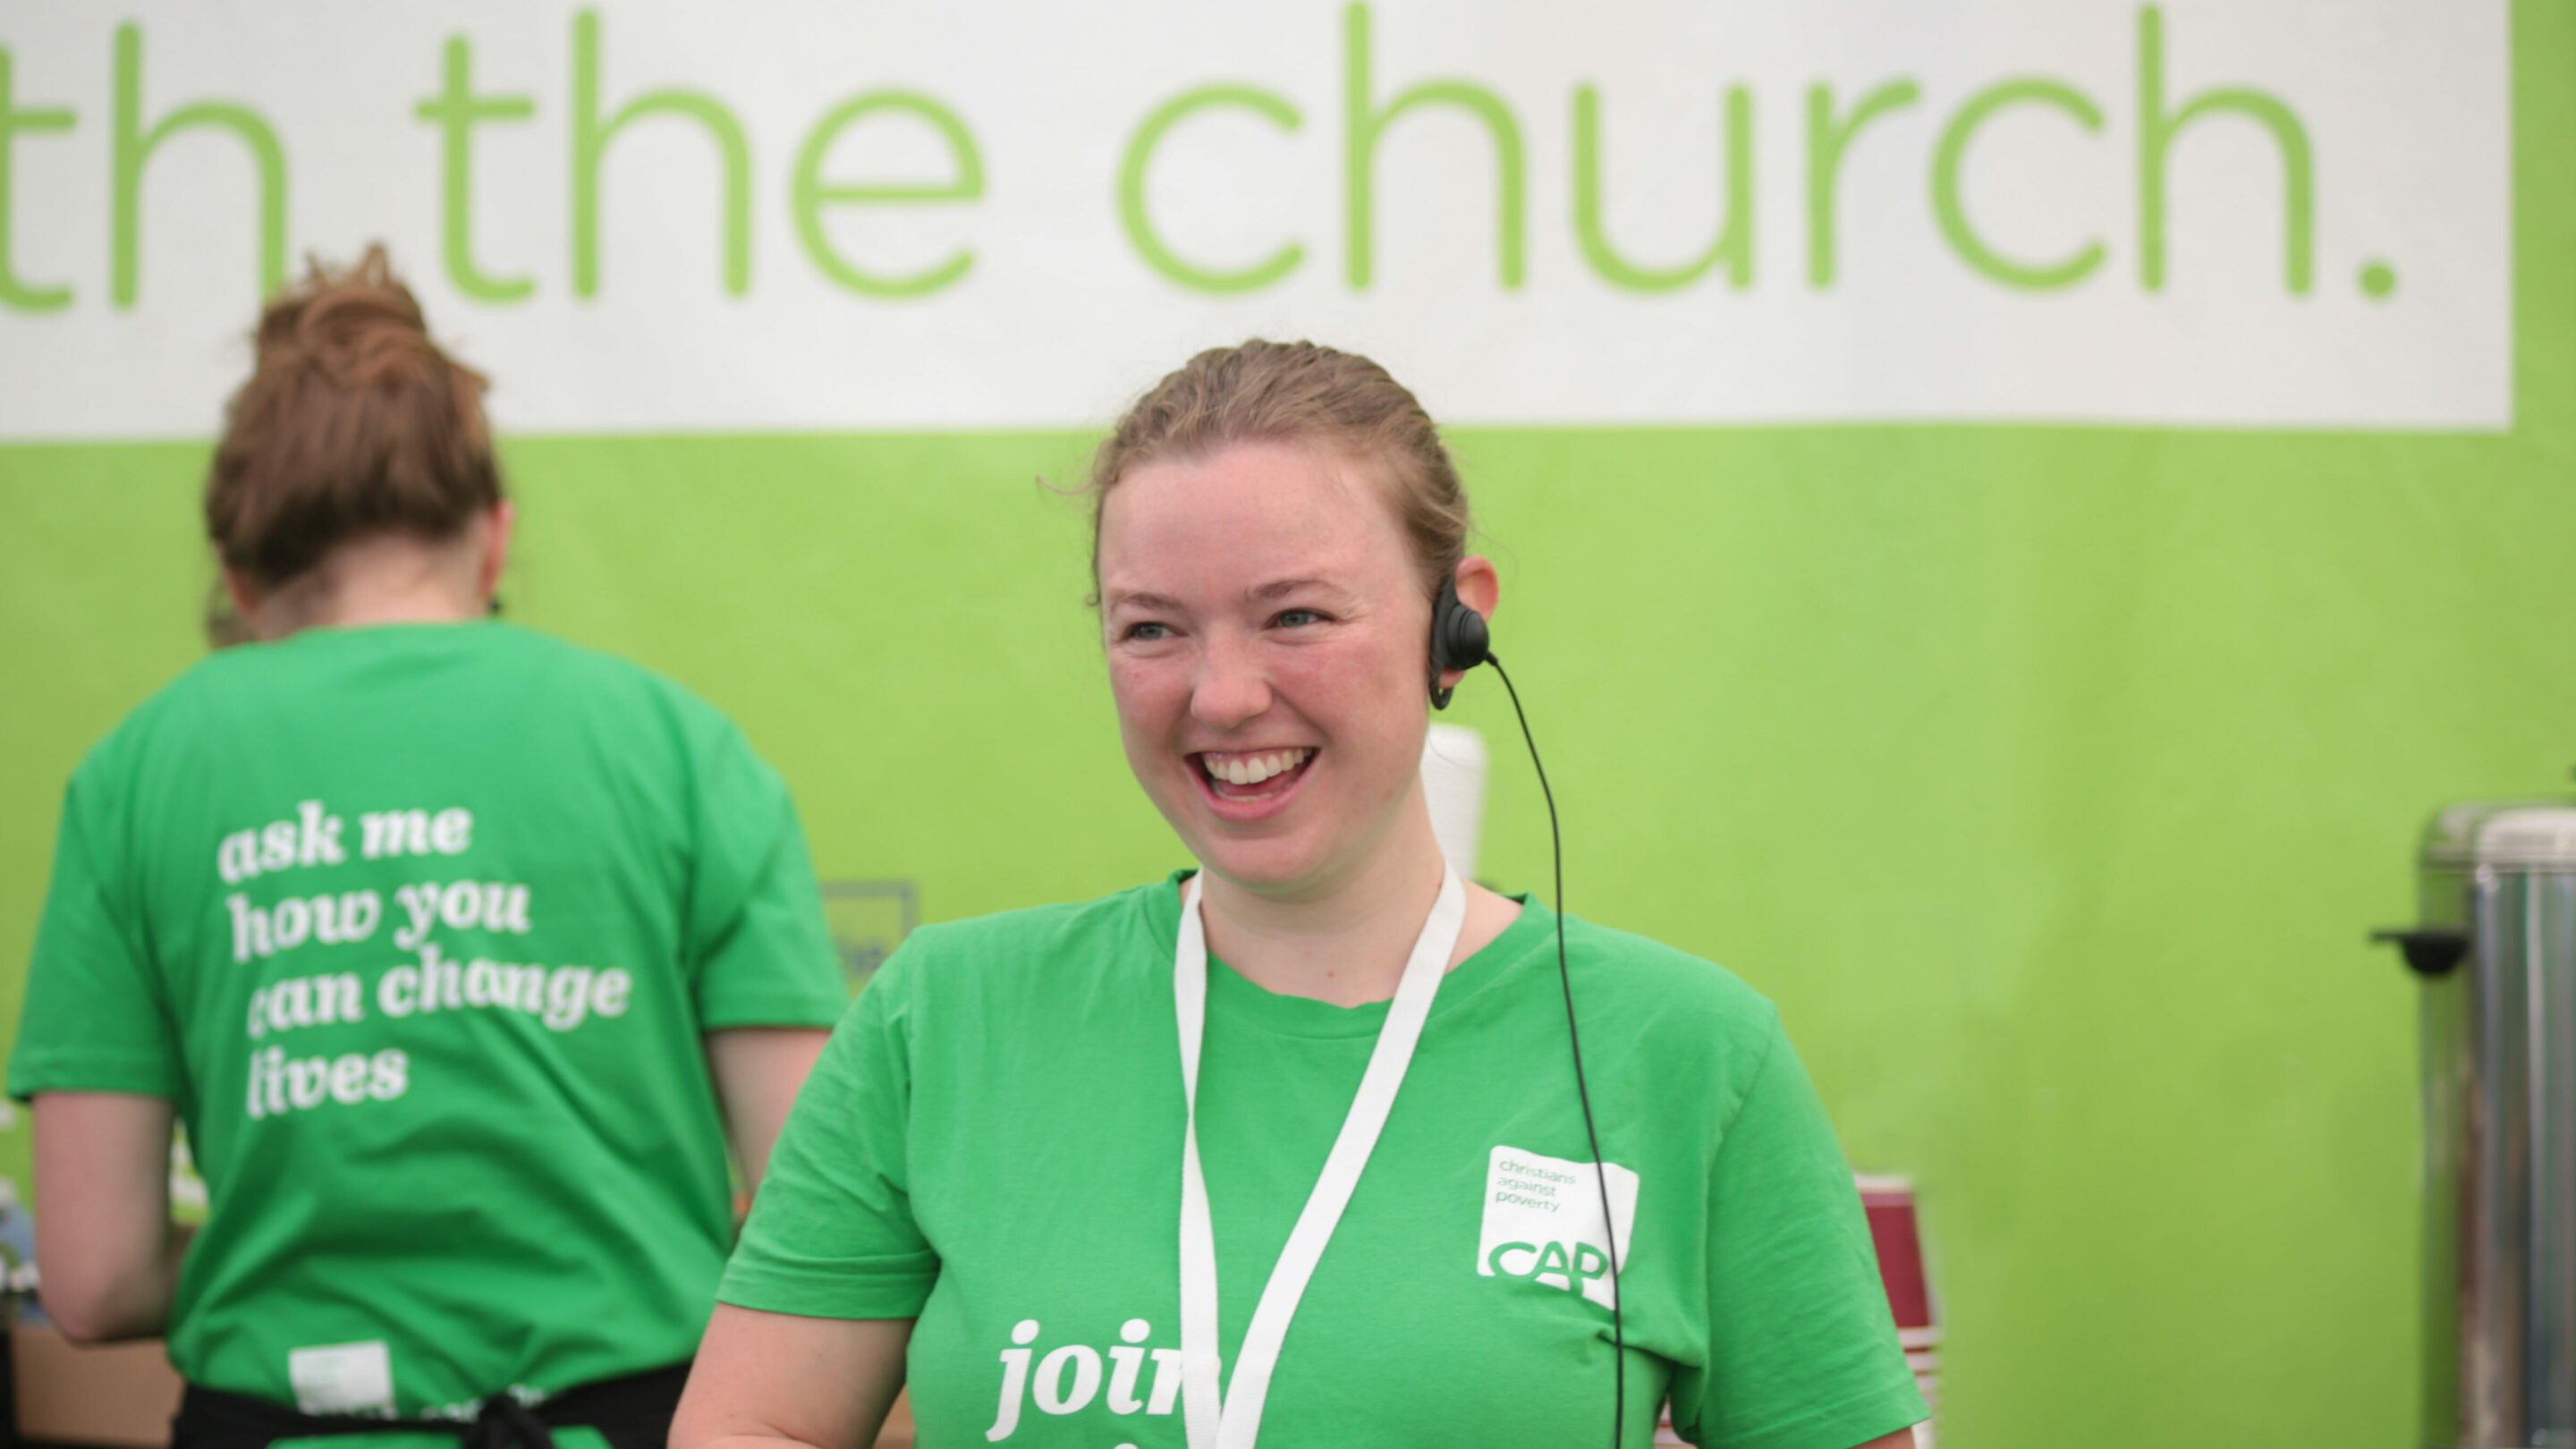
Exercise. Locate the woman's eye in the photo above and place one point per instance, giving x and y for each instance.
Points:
(1297, 618)
(1147, 631)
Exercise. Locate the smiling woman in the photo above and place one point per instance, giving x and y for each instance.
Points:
(978, 1183)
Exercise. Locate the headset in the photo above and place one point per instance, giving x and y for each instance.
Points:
(1460, 640)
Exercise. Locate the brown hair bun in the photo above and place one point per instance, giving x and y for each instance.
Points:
(353, 424)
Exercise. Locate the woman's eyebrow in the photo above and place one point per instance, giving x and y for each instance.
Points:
(1142, 600)
(1283, 587)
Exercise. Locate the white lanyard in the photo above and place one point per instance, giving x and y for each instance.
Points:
(1236, 1422)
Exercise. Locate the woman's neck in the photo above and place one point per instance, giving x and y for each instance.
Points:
(1347, 943)
(388, 579)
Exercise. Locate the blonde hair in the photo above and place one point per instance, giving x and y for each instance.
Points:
(1298, 393)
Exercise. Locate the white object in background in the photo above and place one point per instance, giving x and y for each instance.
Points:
(1453, 779)
(187, 1189)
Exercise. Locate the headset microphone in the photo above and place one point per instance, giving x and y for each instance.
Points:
(1460, 640)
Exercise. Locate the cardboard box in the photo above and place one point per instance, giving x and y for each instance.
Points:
(119, 1394)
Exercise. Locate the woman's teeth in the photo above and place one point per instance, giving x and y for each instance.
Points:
(1252, 769)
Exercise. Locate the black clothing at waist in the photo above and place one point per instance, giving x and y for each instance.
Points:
(632, 1412)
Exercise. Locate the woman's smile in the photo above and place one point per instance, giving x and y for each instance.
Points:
(1247, 785)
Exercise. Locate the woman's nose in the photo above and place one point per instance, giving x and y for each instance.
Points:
(1231, 688)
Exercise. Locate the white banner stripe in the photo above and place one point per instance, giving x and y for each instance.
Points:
(818, 216)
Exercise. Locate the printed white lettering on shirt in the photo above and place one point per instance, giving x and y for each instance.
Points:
(280, 1084)
(1542, 1222)
(385, 833)
(331, 920)
(1127, 1358)
(499, 907)
(312, 838)
(1068, 1379)
(305, 1001)
(465, 905)
(558, 998)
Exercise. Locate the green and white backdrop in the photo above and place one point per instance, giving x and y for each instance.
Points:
(2011, 511)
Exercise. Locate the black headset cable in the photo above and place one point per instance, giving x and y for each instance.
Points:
(1582, 1091)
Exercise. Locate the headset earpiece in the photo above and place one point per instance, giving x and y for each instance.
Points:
(1459, 639)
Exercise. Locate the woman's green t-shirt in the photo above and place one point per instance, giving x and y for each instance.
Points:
(992, 1145)
(421, 927)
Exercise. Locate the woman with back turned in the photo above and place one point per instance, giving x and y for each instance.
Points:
(456, 948)
(1288, 1149)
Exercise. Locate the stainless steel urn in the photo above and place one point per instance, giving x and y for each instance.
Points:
(2496, 953)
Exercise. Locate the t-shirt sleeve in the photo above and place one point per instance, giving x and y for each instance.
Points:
(831, 1234)
(97, 1018)
(1802, 1347)
(757, 947)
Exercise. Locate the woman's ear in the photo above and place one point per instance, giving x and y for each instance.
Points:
(496, 550)
(1479, 587)
(246, 595)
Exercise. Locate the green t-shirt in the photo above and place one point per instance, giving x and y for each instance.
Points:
(420, 927)
(992, 1144)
